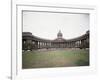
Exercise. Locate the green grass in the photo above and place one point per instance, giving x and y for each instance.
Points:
(55, 58)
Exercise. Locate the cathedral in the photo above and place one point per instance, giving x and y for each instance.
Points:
(32, 42)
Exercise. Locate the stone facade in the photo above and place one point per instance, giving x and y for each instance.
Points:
(31, 42)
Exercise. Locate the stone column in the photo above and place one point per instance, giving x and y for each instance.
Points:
(39, 44)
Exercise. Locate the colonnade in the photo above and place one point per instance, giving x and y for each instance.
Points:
(33, 44)
(30, 42)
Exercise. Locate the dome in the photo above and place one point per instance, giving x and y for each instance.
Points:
(59, 35)
(87, 32)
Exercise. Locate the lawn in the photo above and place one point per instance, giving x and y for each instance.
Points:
(55, 58)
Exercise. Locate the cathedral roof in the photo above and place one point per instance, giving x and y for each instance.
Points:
(59, 34)
(59, 37)
(59, 40)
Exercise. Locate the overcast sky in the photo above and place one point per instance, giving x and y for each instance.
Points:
(47, 25)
